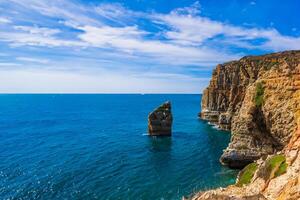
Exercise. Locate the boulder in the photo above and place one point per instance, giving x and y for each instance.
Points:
(160, 120)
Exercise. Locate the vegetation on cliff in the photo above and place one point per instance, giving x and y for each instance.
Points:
(259, 95)
(247, 174)
(275, 166)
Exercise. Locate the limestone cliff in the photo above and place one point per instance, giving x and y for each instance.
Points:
(255, 98)
(258, 99)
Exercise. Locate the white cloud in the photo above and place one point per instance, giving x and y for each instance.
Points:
(187, 29)
(34, 30)
(186, 34)
(130, 39)
(183, 26)
(33, 60)
(192, 10)
(194, 30)
(107, 35)
(117, 13)
(4, 20)
(9, 64)
(35, 36)
(64, 9)
(125, 39)
(278, 42)
(118, 37)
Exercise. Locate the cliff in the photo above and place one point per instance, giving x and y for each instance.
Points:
(258, 99)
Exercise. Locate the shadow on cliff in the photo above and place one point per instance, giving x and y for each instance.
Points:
(263, 128)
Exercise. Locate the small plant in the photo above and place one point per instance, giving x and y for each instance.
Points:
(276, 166)
(259, 95)
(247, 174)
(281, 170)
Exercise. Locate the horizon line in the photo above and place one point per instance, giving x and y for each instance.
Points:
(97, 93)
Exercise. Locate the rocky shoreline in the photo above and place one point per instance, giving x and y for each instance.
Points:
(258, 99)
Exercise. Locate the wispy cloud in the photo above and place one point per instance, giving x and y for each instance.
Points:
(33, 60)
(94, 33)
(189, 29)
(34, 30)
(35, 36)
(63, 9)
(4, 20)
(147, 45)
(9, 64)
(131, 40)
(185, 32)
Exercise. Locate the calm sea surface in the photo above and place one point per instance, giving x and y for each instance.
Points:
(96, 147)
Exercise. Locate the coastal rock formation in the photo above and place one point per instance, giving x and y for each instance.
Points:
(160, 120)
(276, 177)
(255, 98)
(260, 99)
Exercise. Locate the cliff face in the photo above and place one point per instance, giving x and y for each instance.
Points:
(258, 99)
(271, 179)
(255, 98)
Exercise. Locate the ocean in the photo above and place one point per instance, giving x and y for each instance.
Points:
(76, 146)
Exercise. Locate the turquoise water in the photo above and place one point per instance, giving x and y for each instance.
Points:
(96, 147)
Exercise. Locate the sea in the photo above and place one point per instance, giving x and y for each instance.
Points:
(95, 146)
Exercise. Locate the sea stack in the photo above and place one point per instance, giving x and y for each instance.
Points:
(160, 120)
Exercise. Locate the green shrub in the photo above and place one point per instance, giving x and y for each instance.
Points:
(281, 170)
(259, 95)
(276, 166)
(247, 174)
(275, 160)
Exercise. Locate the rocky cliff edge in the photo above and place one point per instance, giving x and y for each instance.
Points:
(258, 99)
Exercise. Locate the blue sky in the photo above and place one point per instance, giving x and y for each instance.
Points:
(134, 46)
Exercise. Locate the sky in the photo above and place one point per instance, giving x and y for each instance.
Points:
(134, 46)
